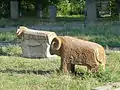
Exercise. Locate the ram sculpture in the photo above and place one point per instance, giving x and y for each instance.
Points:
(20, 31)
(75, 51)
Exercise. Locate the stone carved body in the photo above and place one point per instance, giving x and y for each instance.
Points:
(75, 51)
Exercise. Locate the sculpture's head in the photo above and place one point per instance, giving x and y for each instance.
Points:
(55, 46)
(21, 31)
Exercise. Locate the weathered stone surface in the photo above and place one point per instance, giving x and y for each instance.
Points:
(109, 86)
(37, 43)
(117, 89)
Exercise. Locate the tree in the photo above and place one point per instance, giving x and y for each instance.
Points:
(4, 8)
(71, 7)
(114, 10)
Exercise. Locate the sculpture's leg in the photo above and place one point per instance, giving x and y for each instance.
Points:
(61, 65)
(88, 68)
(64, 66)
(72, 68)
(69, 67)
(93, 68)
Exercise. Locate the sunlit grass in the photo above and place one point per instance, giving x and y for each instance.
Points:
(19, 73)
(42, 74)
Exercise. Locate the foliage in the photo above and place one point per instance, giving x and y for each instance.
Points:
(8, 36)
(4, 8)
(27, 7)
(11, 50)
(70, 7)
(113, 8)
(65, 7)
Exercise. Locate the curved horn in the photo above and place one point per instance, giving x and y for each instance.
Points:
(21, 31)
(56, 43)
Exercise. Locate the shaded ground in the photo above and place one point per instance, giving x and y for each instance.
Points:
(49, 26)
(110, 27)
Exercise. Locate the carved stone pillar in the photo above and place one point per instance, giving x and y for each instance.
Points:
(52, 12)
(91, 10)
(14, 9)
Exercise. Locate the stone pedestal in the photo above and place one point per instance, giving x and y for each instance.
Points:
(91, 10)
(118, 7)
(39, 11)
(52, 12)
(14, 9)
(109, 86)
(36, 44)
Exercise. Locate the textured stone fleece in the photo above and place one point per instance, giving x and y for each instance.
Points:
(81, 52)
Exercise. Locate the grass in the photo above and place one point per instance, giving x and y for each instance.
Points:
(8, 36)
(106, 34)
(21, 21)
(30, 21)
(18, 73)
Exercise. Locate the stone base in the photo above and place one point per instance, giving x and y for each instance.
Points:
(109, 86)
(36, 44)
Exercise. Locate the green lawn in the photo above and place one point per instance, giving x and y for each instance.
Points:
(30, 21)
(18, 73)
(106, 34)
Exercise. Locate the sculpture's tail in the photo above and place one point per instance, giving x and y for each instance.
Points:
(101, 58)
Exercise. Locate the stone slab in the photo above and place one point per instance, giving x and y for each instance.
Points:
(36, 43)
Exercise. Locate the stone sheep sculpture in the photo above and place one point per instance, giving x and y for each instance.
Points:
(20, 31)
(75, 51)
